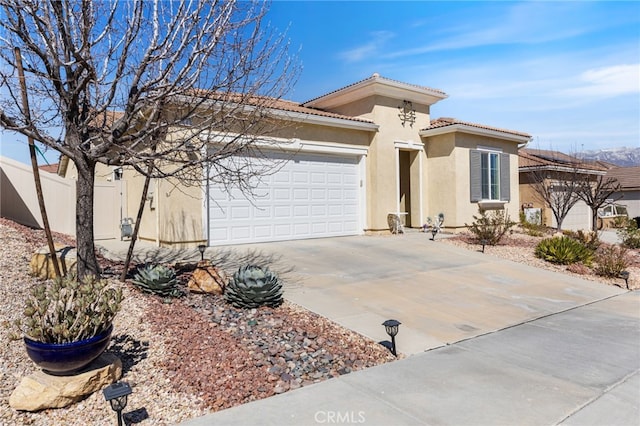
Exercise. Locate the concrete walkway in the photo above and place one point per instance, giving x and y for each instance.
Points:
(506, 343)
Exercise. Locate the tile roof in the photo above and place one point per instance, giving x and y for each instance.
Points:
(447, 121)
(528, 157)
(374, 77)
(274, 103)
(628, 177)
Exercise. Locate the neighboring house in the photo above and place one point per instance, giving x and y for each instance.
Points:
(553, 166)
(629, 195)
(352, 157)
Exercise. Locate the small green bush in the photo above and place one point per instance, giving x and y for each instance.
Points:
(490, 226)
(630, 234)
(611, 260)
(564, 251)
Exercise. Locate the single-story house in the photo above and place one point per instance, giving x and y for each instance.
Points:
(629, 194)
(354, 156)
(554, 167)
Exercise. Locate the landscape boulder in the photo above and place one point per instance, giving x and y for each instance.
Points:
(207, 278)
(40, 390)
(41, 264)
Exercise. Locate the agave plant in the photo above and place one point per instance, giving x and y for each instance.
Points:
(69, 310)
(253, 286)
(157, 279)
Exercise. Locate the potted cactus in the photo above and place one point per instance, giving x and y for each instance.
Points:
(68, 322)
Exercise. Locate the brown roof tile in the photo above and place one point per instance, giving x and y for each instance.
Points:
(528, 157)
(447, 121)
(628, 177)
(374, 76)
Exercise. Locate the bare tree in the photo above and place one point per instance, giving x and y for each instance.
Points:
(174, 84)
(595, 193)
(557, 188)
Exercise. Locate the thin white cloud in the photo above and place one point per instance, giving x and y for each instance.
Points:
(373, 47)
(523, 23)
(609, 81)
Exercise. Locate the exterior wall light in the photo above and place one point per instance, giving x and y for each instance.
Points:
(201, 249)
(391, 327)
(116, 394)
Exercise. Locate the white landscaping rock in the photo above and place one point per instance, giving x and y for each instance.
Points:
(41, 390)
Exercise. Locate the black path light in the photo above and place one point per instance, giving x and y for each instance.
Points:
(434, 231)
(201, 249)
(391, 327)
(625, 276)
(116, 394)
(484, 243)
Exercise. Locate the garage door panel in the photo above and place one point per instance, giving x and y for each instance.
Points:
(316, 196)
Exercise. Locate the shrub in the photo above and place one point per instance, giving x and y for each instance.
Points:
(564, 251)
(588, 239)
(157, 279)
(491, 226)
(611, 260)
(252, 287)
(535, 228)
(630, 234)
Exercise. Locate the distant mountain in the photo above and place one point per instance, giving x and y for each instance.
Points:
(623, 157)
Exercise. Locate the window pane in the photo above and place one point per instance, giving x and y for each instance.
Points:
(484, 167)
(494, 177)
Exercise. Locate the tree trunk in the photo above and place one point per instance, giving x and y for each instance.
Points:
(87, 262)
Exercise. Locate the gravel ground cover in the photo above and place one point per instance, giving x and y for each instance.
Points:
(519, 247)
(183, 359)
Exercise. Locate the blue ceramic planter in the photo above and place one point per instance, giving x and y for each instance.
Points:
(62, 359)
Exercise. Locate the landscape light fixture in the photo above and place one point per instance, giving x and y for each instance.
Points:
(201, 249)
(484, 243)
(434, 231)
(391, 327)
(116, 394)
(625, 276)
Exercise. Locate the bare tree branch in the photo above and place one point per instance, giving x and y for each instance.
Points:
(175, 84)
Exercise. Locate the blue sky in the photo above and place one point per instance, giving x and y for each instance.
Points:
(567, 73)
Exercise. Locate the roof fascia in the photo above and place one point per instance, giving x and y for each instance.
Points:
(562, 169)
(463, 128)
(377, 86)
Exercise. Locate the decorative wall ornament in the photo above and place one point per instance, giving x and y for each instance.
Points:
(407, 113)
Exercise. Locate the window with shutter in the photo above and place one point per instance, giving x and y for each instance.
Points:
(490, 176)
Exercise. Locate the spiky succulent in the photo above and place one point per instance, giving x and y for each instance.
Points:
(253, 286)
(157, 279)
(68, 310)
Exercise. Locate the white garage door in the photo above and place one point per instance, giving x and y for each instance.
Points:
(310, 196)
(579, 217)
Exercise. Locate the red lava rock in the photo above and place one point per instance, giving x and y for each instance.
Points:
(210, 353)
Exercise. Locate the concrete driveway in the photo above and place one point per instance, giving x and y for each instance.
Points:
(523, 345)
(440, 293)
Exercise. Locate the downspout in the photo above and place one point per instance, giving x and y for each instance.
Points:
(157, 200)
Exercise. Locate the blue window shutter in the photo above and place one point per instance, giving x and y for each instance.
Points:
(475, 173)
(505, 175)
